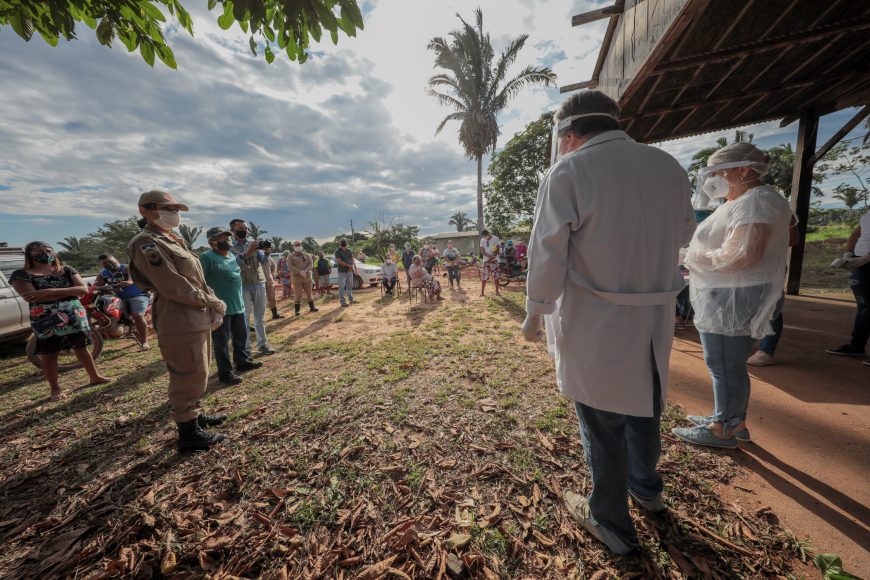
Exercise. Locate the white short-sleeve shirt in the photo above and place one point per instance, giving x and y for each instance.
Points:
(862, 248)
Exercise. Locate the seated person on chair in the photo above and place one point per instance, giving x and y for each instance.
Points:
(420, 278)
(389, 276)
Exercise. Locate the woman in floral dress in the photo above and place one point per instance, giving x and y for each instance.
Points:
(57, 318)
(420, 278)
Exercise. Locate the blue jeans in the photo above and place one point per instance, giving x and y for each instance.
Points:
(621, 452)
(726, 360)
(233, 329)
(255, 304)
(345, 287)
(769, 342)
(859, 280)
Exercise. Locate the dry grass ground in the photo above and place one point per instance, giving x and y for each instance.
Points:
(378, 442)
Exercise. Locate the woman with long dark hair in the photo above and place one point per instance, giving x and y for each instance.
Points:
(57, 318)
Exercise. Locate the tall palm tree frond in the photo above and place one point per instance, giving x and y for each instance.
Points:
(476, 89)
(447, 119)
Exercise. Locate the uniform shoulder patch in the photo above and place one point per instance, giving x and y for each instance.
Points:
(152, 254)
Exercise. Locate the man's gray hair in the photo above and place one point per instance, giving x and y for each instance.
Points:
(587, 101)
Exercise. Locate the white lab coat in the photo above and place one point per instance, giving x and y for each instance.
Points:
(610, 220)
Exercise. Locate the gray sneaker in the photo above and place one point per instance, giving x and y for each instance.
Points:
(578, 507)
(654, 505)
(704, 436)
(704, 420)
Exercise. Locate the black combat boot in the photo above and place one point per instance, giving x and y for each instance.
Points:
(312, 308)
(297, 307)
(205, 420)
(192, 437)
(275, 315)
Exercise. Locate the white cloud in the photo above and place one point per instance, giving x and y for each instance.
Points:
(301, 148)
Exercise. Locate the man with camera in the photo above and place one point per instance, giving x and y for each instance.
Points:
(251, 260)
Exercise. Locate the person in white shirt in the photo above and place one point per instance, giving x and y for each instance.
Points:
(610, 219)
(389, 276)
(451, 261)
(857, 261)
(489, 270)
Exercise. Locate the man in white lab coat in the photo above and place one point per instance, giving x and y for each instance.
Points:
(610, 219)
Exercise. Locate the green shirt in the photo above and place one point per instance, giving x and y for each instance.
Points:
(224, 276)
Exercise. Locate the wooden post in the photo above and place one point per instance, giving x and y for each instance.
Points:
(801, 190)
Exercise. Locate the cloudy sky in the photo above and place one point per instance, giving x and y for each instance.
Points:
(300, 150)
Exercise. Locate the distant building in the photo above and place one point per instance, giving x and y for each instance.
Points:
(465, 242)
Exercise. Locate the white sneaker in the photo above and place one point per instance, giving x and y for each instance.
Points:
(760, 359)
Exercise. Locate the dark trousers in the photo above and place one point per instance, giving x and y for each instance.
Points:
(453, 274)
(769, 343)
(859, 280)
(233, 329)
(389, 284)
(621, 452)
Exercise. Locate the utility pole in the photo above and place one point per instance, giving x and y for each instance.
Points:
(352, 239)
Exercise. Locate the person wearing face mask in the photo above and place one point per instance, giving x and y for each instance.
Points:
(270, 273)
(451, 259)
(57, 318)
(224, 277)
(610, 218)
(284, 274)
(428, 257)
(301, 265)
(736, 262)
(324, 268)
(389, 276)
(252, 261)
(346, 269)
(133, 301)
(184, 312)
(408, 259)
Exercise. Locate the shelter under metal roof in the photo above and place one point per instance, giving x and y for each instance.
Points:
(684, 67)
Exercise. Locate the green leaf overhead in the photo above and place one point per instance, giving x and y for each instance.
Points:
(287, 24)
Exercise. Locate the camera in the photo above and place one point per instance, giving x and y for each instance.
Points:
(266, 244)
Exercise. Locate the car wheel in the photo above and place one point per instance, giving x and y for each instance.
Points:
(357, 282)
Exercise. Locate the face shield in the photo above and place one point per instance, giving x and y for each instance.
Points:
(711, 187)
(561, 127)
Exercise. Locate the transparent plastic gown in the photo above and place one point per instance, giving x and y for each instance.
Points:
(737, 264)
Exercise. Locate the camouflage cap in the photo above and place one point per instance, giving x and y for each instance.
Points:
(217, 231)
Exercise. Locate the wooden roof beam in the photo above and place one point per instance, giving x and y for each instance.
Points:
(844, 130)
(600, 14)
(778, 90)
(837, 28)
(590, 84)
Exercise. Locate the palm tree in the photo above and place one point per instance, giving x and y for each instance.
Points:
(71, 244)
(277, 243)
(477, 90)
(255, 231)
(189, 234)
(699, 159)
(460, 219)
(848, 194)
(310, 245)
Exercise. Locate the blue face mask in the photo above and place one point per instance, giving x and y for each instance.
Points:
(46, 258)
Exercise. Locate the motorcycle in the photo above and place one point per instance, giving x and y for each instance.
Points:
(106, 320)
(514, 271)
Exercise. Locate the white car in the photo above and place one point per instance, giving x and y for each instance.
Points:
(14, 311)
(365, 274)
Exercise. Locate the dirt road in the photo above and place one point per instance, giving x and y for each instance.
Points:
(810, 423)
